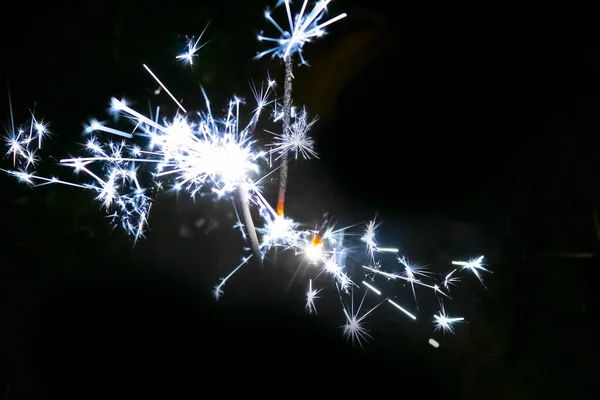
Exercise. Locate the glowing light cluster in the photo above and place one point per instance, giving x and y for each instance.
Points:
(328, 256)
(303, 27)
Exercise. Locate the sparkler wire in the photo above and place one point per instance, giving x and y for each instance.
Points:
(249, 223)
(287, 130)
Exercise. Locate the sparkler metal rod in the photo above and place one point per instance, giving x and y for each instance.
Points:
(287, 116)
(249, 223)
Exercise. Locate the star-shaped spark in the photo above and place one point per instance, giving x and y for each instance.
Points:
(450, 280)
(369, 238)
(303, 28)
(474, 265)
(445, 323)
(311, 296)
(193, 47)
(411, 273)
(354, 328)
(298, 140)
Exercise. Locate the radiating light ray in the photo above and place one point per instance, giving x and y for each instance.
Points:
(372, 288)
(391, 276)
(386, 249)
(399, 307)
(218, 289)
(164, 88)
(31, 178)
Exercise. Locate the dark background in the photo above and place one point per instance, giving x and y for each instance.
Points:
(468, 131)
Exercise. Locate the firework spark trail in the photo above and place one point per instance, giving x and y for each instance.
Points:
(303, 27)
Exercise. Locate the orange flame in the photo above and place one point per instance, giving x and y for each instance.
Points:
(317, 240)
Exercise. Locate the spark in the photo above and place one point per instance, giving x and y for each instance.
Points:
(474, 265)
(162, 85)
(218, 289)
(369, 238)
(411, 272)
(23, 142)
(303, 28)
(354, 328)
(444, 323)
(297, 140)
(372, 288)
(399, 307)
(450, 280)
(193, 47)
(383, 273)
(311, 296)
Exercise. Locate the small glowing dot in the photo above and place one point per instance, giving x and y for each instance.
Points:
(434, 343)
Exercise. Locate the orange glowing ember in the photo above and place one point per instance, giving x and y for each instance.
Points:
(317, 240)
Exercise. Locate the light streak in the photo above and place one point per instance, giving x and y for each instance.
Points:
(399, 307)
(372, 288)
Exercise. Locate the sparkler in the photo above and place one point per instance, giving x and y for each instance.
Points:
(205, 155)
(303, 27)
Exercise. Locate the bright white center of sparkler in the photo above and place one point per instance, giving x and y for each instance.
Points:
(281, 228)
(231, 162)
(314, 253)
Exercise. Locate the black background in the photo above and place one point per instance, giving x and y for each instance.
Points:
(467, 130)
